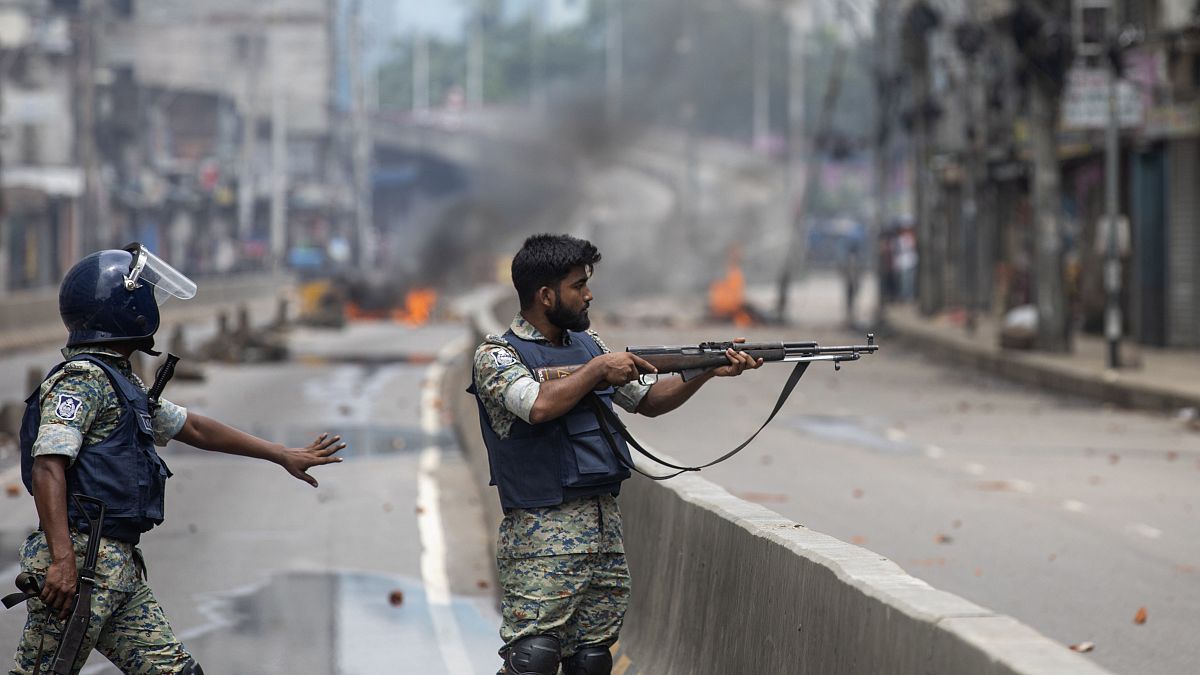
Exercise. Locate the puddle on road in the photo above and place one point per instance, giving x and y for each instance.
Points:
(335, 623)
(852, 431)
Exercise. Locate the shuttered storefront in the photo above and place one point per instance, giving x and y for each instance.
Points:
(1183, 243)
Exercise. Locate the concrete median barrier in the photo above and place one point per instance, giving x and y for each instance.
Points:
(30, 318)
(725, 586)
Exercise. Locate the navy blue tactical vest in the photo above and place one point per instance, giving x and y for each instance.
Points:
(556, 461)
(124, 470)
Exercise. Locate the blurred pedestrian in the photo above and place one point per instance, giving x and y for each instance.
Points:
(886, 265)
(561, 557)
(906, 262)
(90, 429)
(851, 273)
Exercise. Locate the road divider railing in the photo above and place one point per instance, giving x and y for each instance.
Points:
(722, 585)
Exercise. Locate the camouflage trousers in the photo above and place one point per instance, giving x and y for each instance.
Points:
(579, 598)
(129, 628)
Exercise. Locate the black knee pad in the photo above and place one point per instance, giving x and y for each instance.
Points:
(589, 661)
(192, 668)
(534, 655)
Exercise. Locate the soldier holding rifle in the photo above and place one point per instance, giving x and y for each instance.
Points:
(561, 560)
(88, 436)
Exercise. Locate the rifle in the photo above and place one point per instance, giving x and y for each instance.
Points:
(165, 372)
(692, 360)
(81, 611)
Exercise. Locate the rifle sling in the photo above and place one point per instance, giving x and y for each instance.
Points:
(607, 417)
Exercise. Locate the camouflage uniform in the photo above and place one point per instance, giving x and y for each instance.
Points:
(562, 568)
(79, 407)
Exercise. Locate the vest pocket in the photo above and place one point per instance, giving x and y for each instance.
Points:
(594, 462)
(590, 460)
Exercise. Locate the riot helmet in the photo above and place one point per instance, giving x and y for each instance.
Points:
(113, 295)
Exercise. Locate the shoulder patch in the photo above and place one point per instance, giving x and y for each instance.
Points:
(502, 358)
(67, 407)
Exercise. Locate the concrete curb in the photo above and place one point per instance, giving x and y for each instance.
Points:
(788, 599)
(1041, 370)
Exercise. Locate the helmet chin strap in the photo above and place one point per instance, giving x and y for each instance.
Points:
(147, 345)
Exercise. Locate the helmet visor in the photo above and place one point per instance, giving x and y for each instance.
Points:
(167, 281)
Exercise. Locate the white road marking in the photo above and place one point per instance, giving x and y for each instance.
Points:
(975, 469)
(1075, 506)
(1145, 530)
(429, 522)
(934, 452)
(1022, 486)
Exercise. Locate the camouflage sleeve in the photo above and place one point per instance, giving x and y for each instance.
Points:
(167, 422)
(70, 401)
(628, 396)
(504, 384)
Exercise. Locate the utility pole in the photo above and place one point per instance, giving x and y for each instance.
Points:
(970, 38)
(812, 173)
(279, 163)
(1112, 161)
(762, 77)
(250, 52)
(92, 217)
(5, 61)
(688, 192)
(474, 58)
(420, 74)
(614, 66)
(919, 21)
(363, 211)
(884, 95)
(797, 22)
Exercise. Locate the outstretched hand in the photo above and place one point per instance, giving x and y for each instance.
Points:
(739, 362)
(298, 461)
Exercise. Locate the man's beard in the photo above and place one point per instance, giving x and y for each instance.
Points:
(566, 319)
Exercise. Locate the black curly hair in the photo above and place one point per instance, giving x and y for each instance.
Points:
(546, 259)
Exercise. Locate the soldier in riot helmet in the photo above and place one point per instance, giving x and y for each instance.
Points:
(91, 429)
(561, 558)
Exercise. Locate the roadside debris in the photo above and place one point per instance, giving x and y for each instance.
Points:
(396, 598)
(246, 344)
(1140, 618)
(1083, 647)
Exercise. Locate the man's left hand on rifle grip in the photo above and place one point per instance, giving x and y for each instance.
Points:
(739, 362)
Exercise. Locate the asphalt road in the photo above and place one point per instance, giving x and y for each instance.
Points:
(1067, 515)
(383, 568)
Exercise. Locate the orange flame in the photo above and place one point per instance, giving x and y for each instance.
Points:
(418, 307)
(727, 296)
